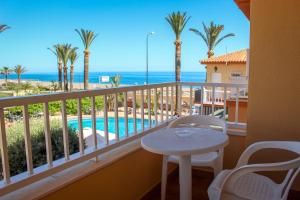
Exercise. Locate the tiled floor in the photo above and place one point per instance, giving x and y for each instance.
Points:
(201, 181)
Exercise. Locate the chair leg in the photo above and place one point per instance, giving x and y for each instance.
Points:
(164, 177)
(218, 166)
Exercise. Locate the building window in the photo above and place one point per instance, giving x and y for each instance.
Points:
(236, 74)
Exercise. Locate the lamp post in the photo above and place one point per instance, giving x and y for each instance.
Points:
(147, 61)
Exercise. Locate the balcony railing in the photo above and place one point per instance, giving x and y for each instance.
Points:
(157, 106)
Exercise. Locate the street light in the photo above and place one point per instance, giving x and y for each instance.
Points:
(147, 68)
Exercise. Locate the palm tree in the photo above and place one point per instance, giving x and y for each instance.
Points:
(59, 63)
(73, 57)
(64, 53)
(5, 71)
(19, 70)
(87, 38)
(177, 21)
(211, 36)
(3, 28)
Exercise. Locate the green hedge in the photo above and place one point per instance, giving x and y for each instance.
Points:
(16, 144)
(55, 107)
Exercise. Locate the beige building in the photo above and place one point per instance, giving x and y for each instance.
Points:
(228, 68)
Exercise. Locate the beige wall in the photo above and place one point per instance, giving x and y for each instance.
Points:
(132, 176)
(274, 83)
(127, 179)
(225, 71)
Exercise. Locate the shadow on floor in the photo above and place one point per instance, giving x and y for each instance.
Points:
(200, 184)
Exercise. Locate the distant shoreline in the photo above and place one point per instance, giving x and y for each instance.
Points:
(127, 78)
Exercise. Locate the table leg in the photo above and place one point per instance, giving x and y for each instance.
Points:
(185, 177)
(164, 176)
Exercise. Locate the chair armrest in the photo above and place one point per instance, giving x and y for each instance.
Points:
(244, 158)
(235, 174)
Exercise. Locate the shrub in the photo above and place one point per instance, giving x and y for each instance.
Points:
(16, 144)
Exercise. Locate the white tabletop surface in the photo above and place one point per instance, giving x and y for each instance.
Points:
(173, 141)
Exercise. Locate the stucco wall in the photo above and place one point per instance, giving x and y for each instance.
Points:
(128, 178)
(274, 87)
(225, 71)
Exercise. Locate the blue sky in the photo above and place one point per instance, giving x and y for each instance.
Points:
(122, 26)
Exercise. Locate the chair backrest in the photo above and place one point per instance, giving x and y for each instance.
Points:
(199, 121)
(292, 166)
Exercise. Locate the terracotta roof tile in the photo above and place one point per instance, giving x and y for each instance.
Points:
(234, 57)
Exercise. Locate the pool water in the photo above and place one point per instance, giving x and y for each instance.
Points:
(87, 123)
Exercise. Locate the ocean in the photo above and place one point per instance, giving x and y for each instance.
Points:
(127, 78)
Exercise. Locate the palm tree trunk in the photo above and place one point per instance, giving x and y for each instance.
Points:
(71, 77)
(65, 78)
(19, 79)
(6, 79)
(60, 74)
(210, 53)
(177, 72)
(86, 69)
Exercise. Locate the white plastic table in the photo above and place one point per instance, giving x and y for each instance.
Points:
(184, 142)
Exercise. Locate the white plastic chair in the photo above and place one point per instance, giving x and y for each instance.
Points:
(243, 183)
(211, 159)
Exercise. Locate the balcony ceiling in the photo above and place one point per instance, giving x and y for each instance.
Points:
(244, 5)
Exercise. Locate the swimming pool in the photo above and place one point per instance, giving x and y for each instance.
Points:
(87, 123)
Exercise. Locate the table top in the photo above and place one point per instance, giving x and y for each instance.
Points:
(184, 141)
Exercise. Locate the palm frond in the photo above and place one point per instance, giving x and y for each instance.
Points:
(211, 34)
(73, 55)
(3, 28)
(87, 37)
(19, 69)
(177, 21)
(223, 37)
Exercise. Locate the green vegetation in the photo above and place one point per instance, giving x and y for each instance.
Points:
(55, 107)
(211, 36)
(87, 38)
(3, 27)
(16, 144)
(5, 71)
(19, 70)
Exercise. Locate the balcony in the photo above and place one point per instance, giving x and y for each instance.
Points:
(127, 114)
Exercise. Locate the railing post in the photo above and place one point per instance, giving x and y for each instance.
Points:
(94, 131)
(116, 117)
(80, 128)
(134, 112)
(180, 99)
(202, 100)
(142, 110)
(149, 107)
(47, 135)
(3, 147)
(167, 103)
(126, 114)
(65, 130)
(225, 101)
(106, 120)
(237, 105)
(191, 100)
(155, 106)
(213, 101)
(172, 100)
(28, 148)
(161, 104)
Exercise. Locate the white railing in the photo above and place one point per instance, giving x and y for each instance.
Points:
(158, 100)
